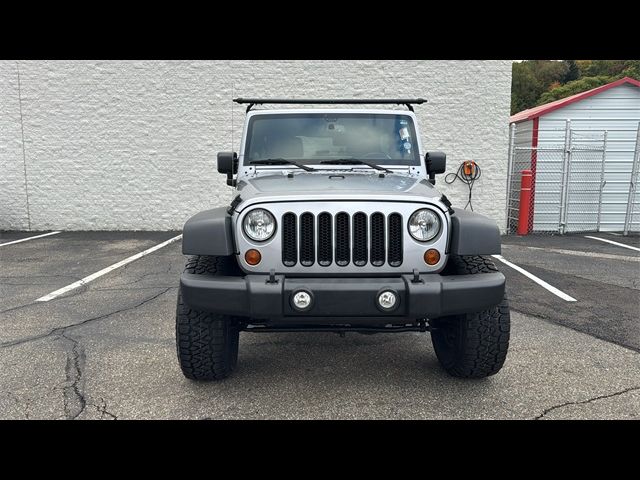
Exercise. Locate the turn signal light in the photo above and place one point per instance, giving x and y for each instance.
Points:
(252, 257)
(431, 256)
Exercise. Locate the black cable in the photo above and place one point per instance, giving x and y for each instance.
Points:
(468, 179)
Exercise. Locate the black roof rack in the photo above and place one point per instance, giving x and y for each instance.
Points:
(335, 101)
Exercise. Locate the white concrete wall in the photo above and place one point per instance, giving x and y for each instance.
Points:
(131, 145)
(13, 196)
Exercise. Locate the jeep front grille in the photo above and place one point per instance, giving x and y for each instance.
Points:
(361, 239)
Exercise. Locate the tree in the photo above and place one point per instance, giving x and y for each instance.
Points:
(573, 72)
(536, 82)
(531, 78)
(525, 88)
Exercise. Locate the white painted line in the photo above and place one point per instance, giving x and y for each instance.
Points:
(104, 271)
(578, 253)
(613, 243)
(539, 281)
(28, 238)
(614, 233)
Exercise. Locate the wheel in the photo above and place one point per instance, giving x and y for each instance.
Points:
(207, 343)
(472, 345)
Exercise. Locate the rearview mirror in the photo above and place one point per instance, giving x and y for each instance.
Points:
(436, 162)
(228, 164)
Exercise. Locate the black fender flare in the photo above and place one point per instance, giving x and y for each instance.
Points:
(474, 234)
(208, 233)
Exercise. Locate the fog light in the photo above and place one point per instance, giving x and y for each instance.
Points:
(387, 300)
(301, 300)
(253, 257)
(431, 256)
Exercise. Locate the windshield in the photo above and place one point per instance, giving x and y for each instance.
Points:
(310, 138)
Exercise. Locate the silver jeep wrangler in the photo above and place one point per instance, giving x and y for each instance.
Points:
(336, 226)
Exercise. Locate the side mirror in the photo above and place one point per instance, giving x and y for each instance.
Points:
(228, 164)
(436, 162)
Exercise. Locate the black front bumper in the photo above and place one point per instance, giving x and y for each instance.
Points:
(337, 299)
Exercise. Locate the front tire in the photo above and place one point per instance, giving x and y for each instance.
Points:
(207, 343)
(472, 345)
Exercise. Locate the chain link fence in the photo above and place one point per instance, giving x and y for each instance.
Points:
(569, 178)
(632, 223)
(585, 182)
(545, 192)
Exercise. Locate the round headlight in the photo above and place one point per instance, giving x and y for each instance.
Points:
(424, 225)
(259, 225)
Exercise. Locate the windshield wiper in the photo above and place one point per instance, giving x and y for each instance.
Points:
(282, 161)
(353, 161)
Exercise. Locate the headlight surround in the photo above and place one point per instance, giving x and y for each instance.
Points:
(259, 225)
(424, 225)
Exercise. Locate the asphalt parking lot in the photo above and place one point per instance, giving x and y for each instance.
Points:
(106, 350)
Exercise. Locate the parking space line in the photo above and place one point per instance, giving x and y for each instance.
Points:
(613, 243)
(539, 281)
(28, 238)
(578, 253)
(104, 271)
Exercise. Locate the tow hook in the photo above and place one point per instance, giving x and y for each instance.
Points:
(272, 276)
(416, 277)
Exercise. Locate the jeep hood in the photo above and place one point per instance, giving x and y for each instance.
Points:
(336, 186)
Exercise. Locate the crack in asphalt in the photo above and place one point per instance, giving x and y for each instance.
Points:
(73, 392)
(60, 331)
(74, 400)
(82, 288)
(139, 279)
(6, 279)
(40, 276)
(16, 399)
(152, 287)
(583, 402)
(102, 410)
(78, 291)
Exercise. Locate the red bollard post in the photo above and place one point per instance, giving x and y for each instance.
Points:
(525, 202)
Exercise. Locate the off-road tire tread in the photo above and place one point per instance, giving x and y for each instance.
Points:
(469, 264)
(485, 334)
(207, 343)
(210, 265)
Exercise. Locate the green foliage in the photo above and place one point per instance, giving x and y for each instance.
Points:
(532, 78)
(573, 72)
(536, 82)
(571, 88)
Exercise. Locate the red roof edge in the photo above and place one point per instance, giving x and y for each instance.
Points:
(540, 110)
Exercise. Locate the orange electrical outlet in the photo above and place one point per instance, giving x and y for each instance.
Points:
(469, 168)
